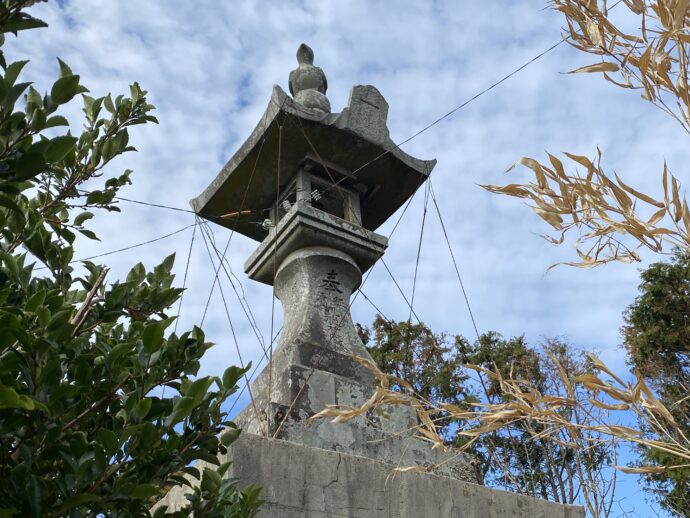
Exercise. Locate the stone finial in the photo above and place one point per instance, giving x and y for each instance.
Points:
(308, 83)
(305, 55)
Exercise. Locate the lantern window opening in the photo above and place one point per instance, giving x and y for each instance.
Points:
(288, 198)
(337, 200)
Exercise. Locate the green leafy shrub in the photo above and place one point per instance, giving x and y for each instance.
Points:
(101, 412)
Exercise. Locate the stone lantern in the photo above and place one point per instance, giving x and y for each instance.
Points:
(312, 187)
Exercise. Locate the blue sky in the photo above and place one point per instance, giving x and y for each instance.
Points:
(210, 66)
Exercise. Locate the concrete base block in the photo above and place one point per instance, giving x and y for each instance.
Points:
(303, 482)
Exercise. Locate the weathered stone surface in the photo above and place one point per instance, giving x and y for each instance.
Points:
(314, 285)
(314, 100)
(366, 114)
(384, 434)
(385, 185)
(302, 482)
(304, 226)
(308, 83)
(314, 366)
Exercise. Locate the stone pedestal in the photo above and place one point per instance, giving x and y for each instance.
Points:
(302, 482)
(313, 366)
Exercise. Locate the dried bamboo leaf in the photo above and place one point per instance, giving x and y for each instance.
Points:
(552, 218)
(489, 373)
(680, 11)
(643, 62)
(641, 469)
(623, 431)
(615, 393)
(636, 6)
(383, 378)
(456, 411)
(686, 216)
(481, 430)
(664, 182)
(590, 381)
(512, 189)
(541, 415)
(661, 231)
(639, 195)
(528, 162)
(604, 66)
(582, 160)
(605, 406)
(656, 217)
(651, 399)
(601, 366)
(626, 84)
(675, 197)
(595, 33)
(558, 166)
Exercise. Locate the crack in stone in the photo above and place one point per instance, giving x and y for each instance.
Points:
(337, 474)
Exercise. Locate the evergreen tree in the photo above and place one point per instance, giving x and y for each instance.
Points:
(427, 361)
(85, 427)
(517, 459)
(657, 338)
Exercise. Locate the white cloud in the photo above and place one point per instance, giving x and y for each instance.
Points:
(210, 66)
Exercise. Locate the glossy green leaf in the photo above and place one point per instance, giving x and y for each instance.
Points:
(65, 70)
(8, 203)
(210, 480)
(229, 436)
(152, 337)
(30, 164)
(89, 233)
(58, 147)
(143, 407)
(10, 399)
(82, 217)
(64, 89)
(143, 491)
(109, 440)
(56, 120)
(181, 410)
(198, 389)
(23, 23)
(232, 375)
(13, 70)
(88, 426)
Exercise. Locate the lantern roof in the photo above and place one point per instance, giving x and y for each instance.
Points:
(351, 149)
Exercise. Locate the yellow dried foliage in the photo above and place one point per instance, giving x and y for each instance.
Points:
(552, 416)
(605, 211)
(654, 61)
(612, 219)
